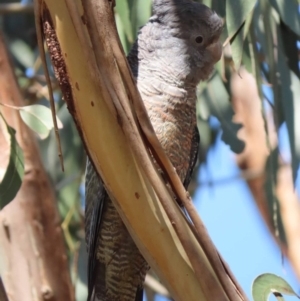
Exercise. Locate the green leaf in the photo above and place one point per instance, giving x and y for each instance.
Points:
(247, 59)
(66, 183)
(290, 39)
(140, 13)
(238, 20)
(271, 170)
(121, 32)
(219, 7)
(143, 10)
(81, 279)
(266, 284)
(217, 99)
(14, 173)
(237, 43)
(122, 10)
(290, 102)
(289, 13)
(22, 53)
(207, 2)
(39, 119)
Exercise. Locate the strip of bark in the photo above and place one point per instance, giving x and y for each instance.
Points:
(34, 263)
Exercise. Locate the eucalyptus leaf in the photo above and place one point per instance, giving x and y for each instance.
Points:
(271, 169)
(66, 183)
(266, 284)
(237, 43)
(289, 13)
(238, 20)
(81, 279)
(140, 11)
(290, 103)
(122, 10)
(39, 119)
(22, 53)
(219, 7)
(121, 32)
(217, 99)
(143, 12)
(207, 2)
(247, 60)
(12, 180)
(237, 12)
(290, 40)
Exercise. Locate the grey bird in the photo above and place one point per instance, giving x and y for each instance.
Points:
(174, 51)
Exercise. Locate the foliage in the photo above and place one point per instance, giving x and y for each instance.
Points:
(263, 36)
(267, 284)
(12, 179)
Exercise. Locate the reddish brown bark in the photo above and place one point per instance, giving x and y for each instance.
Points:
(33, 260)
(248, 107)
(3, 295)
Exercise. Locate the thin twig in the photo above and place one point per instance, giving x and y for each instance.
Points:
(38, 24)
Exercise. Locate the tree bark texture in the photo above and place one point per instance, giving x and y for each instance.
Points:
(33, 261)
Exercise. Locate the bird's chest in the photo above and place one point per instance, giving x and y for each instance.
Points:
(174, 126)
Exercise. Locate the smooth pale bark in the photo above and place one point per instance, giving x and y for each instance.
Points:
(33, 261)
(100, 99)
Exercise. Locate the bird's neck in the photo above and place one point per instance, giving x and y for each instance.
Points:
(167, 91)
(172, 112)
(165, 86)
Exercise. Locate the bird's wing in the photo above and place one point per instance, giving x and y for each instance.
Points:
(94, 204)
(193, 158)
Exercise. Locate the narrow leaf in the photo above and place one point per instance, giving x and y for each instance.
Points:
(219, 7)
(122, 10)
(289, 13)
(121, 32)
(290, 40)
(290, 102)
(39, 119)
(13, 176)
(217, 98)
(22, 53)
(143, 11)
(236, 14)
(238, 20)
(266, 284)
(271, 170)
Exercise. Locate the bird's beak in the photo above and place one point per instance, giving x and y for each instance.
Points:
(215, 47)
(215, 50)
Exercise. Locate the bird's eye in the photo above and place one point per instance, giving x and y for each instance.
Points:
(199, 39)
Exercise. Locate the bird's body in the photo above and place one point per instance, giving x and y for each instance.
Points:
(171, 55)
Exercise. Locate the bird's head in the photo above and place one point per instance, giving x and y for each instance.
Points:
(191, 32)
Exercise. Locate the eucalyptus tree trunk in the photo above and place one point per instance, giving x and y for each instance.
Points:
(33, 260)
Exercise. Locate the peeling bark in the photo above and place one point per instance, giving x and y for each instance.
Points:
(33, 261)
